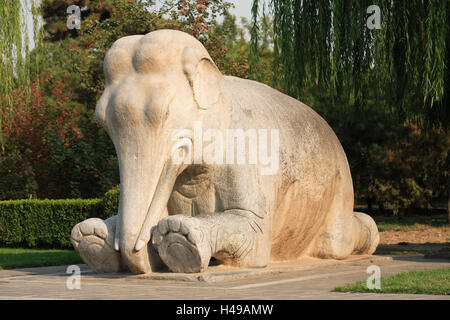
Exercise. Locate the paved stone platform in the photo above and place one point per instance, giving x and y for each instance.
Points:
(311, 279)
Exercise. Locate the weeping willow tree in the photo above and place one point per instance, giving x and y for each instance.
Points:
(14, 51)
(327, 45)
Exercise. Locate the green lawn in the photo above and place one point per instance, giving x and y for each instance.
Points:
(386, 223)
(11, 258)
(413, 282)
(395, 251)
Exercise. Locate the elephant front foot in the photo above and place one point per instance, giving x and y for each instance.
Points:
(182, 244)
(93, 241)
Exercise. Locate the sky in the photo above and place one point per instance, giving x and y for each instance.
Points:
(243, 8)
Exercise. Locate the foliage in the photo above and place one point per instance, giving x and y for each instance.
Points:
(404, 65)
(57, 144)
(54, 12)
(11, 258)
(412, 282)
(111, 202)
(14, 49)
(18, 180)
(394, 164)
(44, 223)
(232, 53)
(196, 16)
(68, 153)
(382, 91)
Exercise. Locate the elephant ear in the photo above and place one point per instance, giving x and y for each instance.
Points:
(204, 77)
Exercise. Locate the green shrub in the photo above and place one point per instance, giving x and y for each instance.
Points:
(44, 223)
(111, 202)
(18, 179)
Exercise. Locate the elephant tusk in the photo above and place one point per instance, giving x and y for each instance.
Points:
(166, 181)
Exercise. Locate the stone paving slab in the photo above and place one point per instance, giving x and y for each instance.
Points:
(309, 280)
(224, 273)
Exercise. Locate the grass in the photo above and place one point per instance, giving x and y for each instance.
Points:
(11, 258)
(386, 223)
(413, 282)
(395, 251)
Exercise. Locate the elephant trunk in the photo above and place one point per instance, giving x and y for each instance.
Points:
(140, 168)
(147, 179)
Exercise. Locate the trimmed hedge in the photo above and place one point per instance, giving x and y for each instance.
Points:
(111, 201)
(48, 223)
(44, 223)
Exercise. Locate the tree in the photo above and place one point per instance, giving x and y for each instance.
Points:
(404, 65)
(384, 91)
(51, 134)
(196, 16)
(14, 52)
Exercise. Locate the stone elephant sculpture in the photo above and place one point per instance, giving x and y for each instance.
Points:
(181, 213)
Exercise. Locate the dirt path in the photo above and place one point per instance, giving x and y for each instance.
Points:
(418, 236)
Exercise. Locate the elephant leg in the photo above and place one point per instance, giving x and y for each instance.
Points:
(357, 234)
(186, 244)
(93, 241)
(366, 234)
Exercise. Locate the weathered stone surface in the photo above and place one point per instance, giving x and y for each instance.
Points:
(164, 82)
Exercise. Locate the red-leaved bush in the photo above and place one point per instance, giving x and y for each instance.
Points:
(42, 117)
